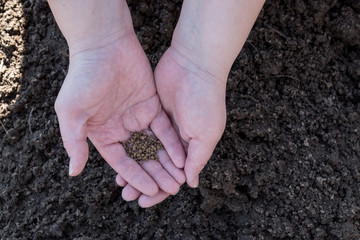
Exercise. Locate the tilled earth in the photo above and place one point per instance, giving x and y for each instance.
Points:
(287, 167)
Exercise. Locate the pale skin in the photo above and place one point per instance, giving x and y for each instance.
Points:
(110, 90)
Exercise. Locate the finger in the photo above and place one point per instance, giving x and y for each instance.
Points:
(73, 134)
(128, 168)
(146, 201)
(184, 144)
(165, 131)
(79, 153)
(129, 193)
(165, 182)
(199, 153)
(166, 162)
(120, 181)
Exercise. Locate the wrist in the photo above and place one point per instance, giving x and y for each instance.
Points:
(99, 41)
(197, 58)
(88, 24)
(106, 52)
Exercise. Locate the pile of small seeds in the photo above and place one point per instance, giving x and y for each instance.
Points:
(143, 146)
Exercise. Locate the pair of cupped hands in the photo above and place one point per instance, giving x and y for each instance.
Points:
(110, 91)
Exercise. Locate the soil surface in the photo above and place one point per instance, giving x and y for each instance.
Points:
(287, 166)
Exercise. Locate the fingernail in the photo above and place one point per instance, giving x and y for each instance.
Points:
(71, 168)
(194, 183)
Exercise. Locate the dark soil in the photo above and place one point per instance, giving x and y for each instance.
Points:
(287, 167)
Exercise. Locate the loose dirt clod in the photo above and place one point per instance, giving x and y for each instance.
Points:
(143, 146)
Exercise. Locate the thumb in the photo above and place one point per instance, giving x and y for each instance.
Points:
(73, 134)
(78, 150)
(199, 153)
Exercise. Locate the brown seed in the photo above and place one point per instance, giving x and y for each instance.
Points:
(142, 146)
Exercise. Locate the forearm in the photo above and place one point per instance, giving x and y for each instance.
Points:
(85, 23)
(213, 32)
